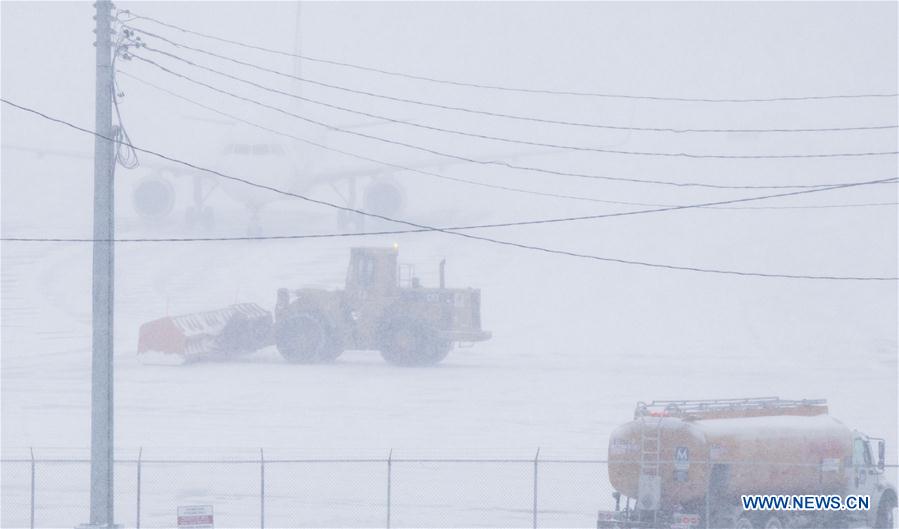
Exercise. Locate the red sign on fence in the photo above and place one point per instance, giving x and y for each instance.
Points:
(195, 517)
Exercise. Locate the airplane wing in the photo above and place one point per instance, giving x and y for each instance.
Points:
(41, 152)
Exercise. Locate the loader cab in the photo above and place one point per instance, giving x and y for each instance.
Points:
(372, 272)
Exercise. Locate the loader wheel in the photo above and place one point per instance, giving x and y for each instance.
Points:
(407, 342)
(307, 338)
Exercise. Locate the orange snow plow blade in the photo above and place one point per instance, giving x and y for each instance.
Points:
(238, 329)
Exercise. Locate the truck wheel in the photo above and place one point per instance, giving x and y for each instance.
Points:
(306, 338)
(744, 522)
(406, 342)
(886, 513)
(773, 522)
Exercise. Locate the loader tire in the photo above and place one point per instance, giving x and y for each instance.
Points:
(307, 338)
(408, 342)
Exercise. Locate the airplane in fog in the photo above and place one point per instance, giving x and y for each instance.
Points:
(267, 161)
(271, 160)
(261, 159)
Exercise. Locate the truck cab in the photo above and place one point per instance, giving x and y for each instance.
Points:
(865, 476)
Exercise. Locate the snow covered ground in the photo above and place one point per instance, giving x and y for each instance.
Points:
(576, 343)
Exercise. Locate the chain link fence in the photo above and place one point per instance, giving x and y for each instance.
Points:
(388, 491)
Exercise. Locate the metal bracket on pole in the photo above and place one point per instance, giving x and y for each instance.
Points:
(536, 463)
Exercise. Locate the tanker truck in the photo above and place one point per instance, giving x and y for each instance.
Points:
(693, 463)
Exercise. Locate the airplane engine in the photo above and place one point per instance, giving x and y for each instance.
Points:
(153, 197)
(384, 197)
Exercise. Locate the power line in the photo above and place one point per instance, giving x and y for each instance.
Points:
(500, 163)
(427, 228)
(378, 161)
(500, 87)
(463, 180)
(469, 227)
(501, 138)
(440, 229)
(470, 110)
(820, 206)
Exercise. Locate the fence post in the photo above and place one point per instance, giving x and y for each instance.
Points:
(389, 483)
(140, 455)
(261, 489)
(536, 462)
(708, 492)
(32, 488)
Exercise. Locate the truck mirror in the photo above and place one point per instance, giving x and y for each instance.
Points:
(881, 454)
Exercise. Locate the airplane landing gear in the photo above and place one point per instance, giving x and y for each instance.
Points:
(254, 228)
(202, 217)
(348, 221)
(199, 214)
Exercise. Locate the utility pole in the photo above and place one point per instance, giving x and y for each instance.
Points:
(101, 514)
(298, 40)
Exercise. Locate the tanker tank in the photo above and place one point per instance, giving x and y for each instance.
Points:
(727, 451)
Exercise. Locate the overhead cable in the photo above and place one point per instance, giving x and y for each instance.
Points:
(546, 91)
(470, 236)
(500, 163)
(469, 110)
(464, 180)
(489, 137)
